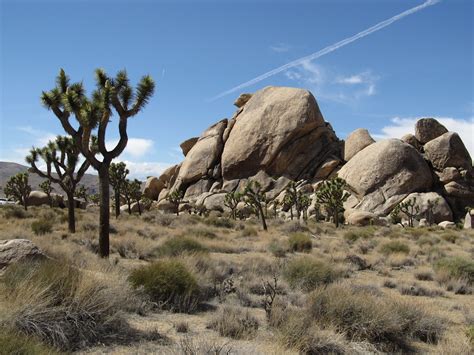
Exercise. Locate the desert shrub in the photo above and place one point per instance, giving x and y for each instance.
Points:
(220, 222)
(12, 211)
(362, 316)
(454, 268)
(180, 245)
(164, 220)
(300, 242)
(424, 275)
(450, 237)
(41, 226)
(57, 304)
(416, 290)
(277, 248)
(18, 344)
(89, 227)
(389, 284)
(427, 240)
(249, 231)
(168, 283)
(293, 227)
(352, 236)
(394, 246)
(203, 233)
(181, 327)
(308, 273)
(234, 323)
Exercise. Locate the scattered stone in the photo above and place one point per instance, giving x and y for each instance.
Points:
(427, 129)
(411, 139)
(242, 100)
(469, 220)
(447, 225)
(361, 218)
(16, 250)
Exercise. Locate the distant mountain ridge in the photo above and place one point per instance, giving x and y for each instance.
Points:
(8, 169)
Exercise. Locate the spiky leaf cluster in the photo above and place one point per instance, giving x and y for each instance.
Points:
(231, 200)
(332, 196)
(17, 188)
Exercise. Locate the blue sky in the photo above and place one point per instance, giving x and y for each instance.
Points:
(419, 66)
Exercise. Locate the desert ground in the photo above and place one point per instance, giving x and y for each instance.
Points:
(228, 287)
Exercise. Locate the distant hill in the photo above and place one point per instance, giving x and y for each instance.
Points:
(8, 169)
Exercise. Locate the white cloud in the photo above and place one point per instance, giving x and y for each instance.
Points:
(401, 126)
(344, 89)
(136, 147)
(141, 170)
(41, 138)
(280, 47)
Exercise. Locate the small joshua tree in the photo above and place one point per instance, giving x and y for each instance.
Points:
(118, 175)
(332, 196)
(255, 198)
(131, 192)
(175, 197)
(62, 155)
(275, 205)
(292, 199)
(410, 209)
(17, 188)
(81, 192)
(94, 198)
(95, 113)
(46, 187)
(289, 201)
(231, 200)
(135, 187)
(304, 202)
(430, 210)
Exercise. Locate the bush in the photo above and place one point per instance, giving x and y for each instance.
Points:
(169, 284)
(42, 226)
(449, 237)
(363, 316)
(203, 233)
(277, 249)
(249, 231)
(293, 227)
(300, 242)
(234, 323)
(18, 212)
(220, 222)
(16, 343)
(352, 236)
(394, 246)
(180, 245)
(56, 303)
(308, 273)
(455, 268)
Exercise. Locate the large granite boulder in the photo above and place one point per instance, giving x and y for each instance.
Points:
(188, 144)
(440, 210)
(38, 198)
(355, 142)
(384, 173)
(153, 187)
(204, 155)
(448, 150)
(427, 129)
(281, 131)
(18, 250)
(169, 176)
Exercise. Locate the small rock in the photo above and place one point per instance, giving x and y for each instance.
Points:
(15, 250)
(447, 225)
(242, 100)
(469, 220)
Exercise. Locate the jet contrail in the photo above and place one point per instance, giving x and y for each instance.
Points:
(330, 48)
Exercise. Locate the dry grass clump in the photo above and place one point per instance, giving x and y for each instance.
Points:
(353, 235)
(307, 273)
(293, 227)
(180, 245)
(394, 246)
(202, 233)
(424, 275)
(455, 268)
(42, 226)
(234, 322)
(220, 222)
(249, 231)
(450, 237)
(277, 248)
(417, 290)
(300, 242)
(168, 283)
(389, 324)
(12, 211)
(12, 342)
(62, 306)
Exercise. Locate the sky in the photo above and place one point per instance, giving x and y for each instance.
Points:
(197, 51)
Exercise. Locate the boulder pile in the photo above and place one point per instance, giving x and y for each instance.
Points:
(278, 135)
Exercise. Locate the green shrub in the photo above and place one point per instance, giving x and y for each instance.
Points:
(12, 211)
(203, 233)
(277, 248)
(18, 344)
(168, 283)
(351, 236)
(394, 246)
(42, 226)
(455, 268)
(387, 323)
(249, 231)
(234, 323)
(300, 242)
(308, 273)
(220, 222)
(180, 245)
(450, 237)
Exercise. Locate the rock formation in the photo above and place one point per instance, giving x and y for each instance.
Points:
(278, 135)
(18, 250)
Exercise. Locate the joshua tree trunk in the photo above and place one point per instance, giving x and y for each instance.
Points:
(70, 212)
(336, 218)
(264, 223)
(291, 212)
(104, 211)
(139, 208)
(117, 203)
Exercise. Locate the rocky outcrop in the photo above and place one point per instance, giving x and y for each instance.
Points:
(18, 250)
(153, 187)
(427, 129)
(242, 100)
(411, 139)
(432, 206)
(384, 173)
(469, 220)
(447, 150)
(187, 145)
(280, 131)
(355, 142)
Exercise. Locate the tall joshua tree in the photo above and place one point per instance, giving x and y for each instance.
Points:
(254, 197)
(61, 157)
(95, 113)
(118, 176)
(17, 187)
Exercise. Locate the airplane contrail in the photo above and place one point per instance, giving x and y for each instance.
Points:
(330, 48)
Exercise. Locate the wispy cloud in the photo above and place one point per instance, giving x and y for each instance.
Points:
(141, 170)
(329, 49)
(280, 47)
(399, 126)
(40, 137)
(344, 89)
(136, 147)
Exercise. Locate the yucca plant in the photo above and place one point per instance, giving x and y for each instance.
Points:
(118, 175)
(331, 194)
(17, 188)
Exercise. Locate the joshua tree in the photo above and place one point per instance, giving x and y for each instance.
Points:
(94, 198)
(46, 187)
(118, 174)
(332, 196)
(81, 192)
(304, 202)
(17, 188)
(175, 197)
(289, 201)
(430, 211)
(62, 155)
(292, 199)
(67, 100)
(275, 207)
(135, 187)
(254, 197)
(231, 200)
(409, 209)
